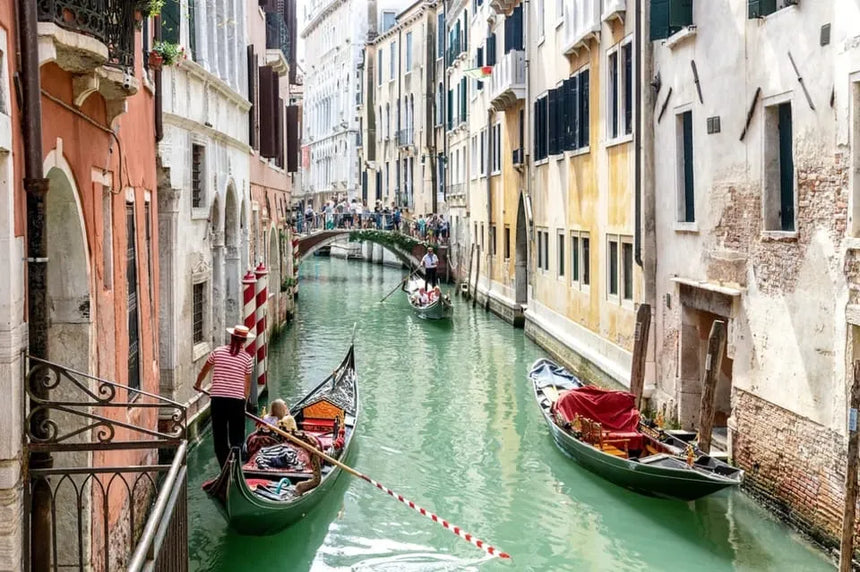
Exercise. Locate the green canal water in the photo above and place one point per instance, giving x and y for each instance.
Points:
(448, 420)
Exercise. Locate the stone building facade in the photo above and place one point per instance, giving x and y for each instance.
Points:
(756, 204)
(97, 102)
(404, 110)
(334, 32)
(223, 164)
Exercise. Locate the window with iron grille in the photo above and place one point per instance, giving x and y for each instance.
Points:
(627, 270)
(561, 259)
(198, 304)
(612, 267)
(197, 176)
(132, 300)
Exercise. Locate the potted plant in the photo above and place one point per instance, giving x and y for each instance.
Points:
(149, 8)
(165, 54)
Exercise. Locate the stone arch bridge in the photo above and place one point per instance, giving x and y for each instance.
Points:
(407, 249)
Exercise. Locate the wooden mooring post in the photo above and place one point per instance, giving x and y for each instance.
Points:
(846, 546)
(716, 349)
(477, 276)
(469, 273)
(640, 352)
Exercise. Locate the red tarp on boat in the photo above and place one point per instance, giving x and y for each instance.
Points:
(614, 410)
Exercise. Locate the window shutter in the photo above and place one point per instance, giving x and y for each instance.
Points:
(584, 117)
(553, 122)
(572, 114)
(268, 112)
(659, 19)
(761, 8)
(293, 139)
(463, 88)
(491, 50)
(170, 21)
(480, 62)
(564, 123)
(450, 109)
(535, 144)
(279, 134)
(680, 14)
(254, 112)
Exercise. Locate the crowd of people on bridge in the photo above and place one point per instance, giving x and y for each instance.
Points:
(355, 214)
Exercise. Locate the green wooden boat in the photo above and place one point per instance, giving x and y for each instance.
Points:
(439, 309)
(258, 498)
(647, 460)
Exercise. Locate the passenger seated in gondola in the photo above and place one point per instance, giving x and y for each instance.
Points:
(420, 298)
(280, 417)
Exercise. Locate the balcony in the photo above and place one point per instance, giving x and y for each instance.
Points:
(456, 190)
(581, 23)
(508, 80)
(405, 137)
(87, 34)
(503, 7)
(277, 42)
(613, 9)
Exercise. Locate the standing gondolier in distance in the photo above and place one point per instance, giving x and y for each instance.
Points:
(429, 262)
(231, 384)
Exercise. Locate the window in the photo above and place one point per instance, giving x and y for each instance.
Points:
(198, 190)
(392, 57)
(586, 259)
(540, 131)
(669, 16)
(463, 88)
(483, 159)
(779, 169)
(440, 35)
(379, 68)
(507, 242)
(686, 192)
(440, 104)
(491, 49)
(450, 110)
(612, 267)
(574, 256)
(496, 164)
(612, 116)
(543, 250)
(540, 250)
(539, 16)
(762, 8)
(546, 251)
(408, 52)
(198, 301)
(107, 237)
(514, 30)
(147, 215)
(620, 93)
(474, 155)
(483, 248)
(561, 259)
(131, 284)
(388, 20)
(627, 270)
(493, 239)
(479, 62)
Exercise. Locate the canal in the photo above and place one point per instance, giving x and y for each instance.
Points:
(448, 420)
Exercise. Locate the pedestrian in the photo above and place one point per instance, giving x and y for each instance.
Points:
(422, 227)
(429, 262)
(231, 385)
(397, 219)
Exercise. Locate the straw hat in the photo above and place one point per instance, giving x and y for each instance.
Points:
(241, 332)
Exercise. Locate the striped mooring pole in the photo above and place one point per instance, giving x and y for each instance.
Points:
(249, 318)
(262, 293)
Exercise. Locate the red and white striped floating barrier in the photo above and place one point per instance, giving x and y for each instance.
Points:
(262, 297)
(491, 550)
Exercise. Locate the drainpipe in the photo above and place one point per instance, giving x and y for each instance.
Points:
(159, 98)
(430, 109)
(36, 187)
(400, 116)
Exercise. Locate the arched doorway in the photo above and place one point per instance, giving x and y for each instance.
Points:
(232, 260)
(274, 267)
(69, 301)
(244, 246)
(216, 245)
(70, 320)
(521, 266)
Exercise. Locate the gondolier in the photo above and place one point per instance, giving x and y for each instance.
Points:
(430, 262)
(231, 385)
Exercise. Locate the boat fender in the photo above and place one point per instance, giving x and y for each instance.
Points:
(281, 484)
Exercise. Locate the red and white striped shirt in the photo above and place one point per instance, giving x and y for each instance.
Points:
(229, 371)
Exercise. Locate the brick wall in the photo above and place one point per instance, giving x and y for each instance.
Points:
(802, 477)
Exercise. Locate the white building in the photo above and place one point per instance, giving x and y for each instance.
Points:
(335, 33)
(204, 187)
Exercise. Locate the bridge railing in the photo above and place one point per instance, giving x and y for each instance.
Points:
(432, 232)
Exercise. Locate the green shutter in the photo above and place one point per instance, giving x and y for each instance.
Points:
(659, 19)
(170, 21)
(786, 169)
(680, 14)
(689, 193)
(761, 8)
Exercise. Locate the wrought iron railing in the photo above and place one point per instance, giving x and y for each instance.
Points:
(277, 33)
(108, 21)
(97, 491)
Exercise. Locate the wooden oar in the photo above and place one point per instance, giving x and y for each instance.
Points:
(491, 550)
(399, 284)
